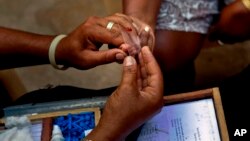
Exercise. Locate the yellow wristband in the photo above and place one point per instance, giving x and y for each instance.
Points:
(52, 52)
(246, 3)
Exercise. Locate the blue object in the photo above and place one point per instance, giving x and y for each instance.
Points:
(74, 125)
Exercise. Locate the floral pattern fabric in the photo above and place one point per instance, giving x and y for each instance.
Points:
(187, 15)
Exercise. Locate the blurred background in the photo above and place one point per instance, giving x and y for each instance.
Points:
(61, 16)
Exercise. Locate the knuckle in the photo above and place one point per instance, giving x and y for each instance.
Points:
(125, 19)
(116, 34)
(131, 69)
(117, 41)
(107, 58)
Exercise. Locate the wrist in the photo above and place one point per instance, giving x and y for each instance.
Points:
(100, 134)
(53, 52)
(106, 132)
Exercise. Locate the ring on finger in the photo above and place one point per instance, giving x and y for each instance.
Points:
(110, 25)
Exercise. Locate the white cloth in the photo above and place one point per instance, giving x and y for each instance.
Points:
(18, 129)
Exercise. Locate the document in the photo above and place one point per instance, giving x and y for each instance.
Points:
(187, 121)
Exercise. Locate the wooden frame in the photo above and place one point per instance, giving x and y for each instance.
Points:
(202, 94)
(47, 120)
(39, 116)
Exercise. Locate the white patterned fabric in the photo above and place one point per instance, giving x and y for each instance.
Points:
(187, 15)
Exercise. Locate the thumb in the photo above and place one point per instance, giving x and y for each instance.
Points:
(129, 76)
(107, 56)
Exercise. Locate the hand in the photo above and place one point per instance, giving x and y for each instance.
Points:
(80, 49)
(145, 33)
(139, 97)
(233, 25)
(142, 36)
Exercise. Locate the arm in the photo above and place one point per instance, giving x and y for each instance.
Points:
(145, 10)
(19, 48)
(138, 98)
(80, 49)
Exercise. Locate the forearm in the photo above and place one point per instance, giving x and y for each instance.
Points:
(145, 10)
(19, 48)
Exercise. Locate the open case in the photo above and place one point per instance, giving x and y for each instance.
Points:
(74, 123)
(188, 116)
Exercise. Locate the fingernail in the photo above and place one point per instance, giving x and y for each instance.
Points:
(129, 61)
(119, 56)
(146, 29)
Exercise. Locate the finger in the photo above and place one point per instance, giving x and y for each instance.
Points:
(129, 49)
(143, 72)
(123, 21)
(144, 36)
(128, 31)
(129, 76)
(132, 39)
(137, 24)
(151, 41)
(151, 37)
(107, 23)
(97, 32)
(143, 27)
(154, 76)
(114, 35)
(106, 56)
(125, 47)
(127, 21)
(139, 78)
(102, 35)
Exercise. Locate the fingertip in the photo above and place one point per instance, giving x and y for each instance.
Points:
(146, 49)
(147, 55)
(129, 61)
(129, 71)
(108, 56)
(120, 56)
(122, 46)
(125, 48)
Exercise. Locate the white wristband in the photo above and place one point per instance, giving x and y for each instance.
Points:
(52, 52)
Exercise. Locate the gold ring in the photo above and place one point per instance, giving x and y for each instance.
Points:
(110, 25)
